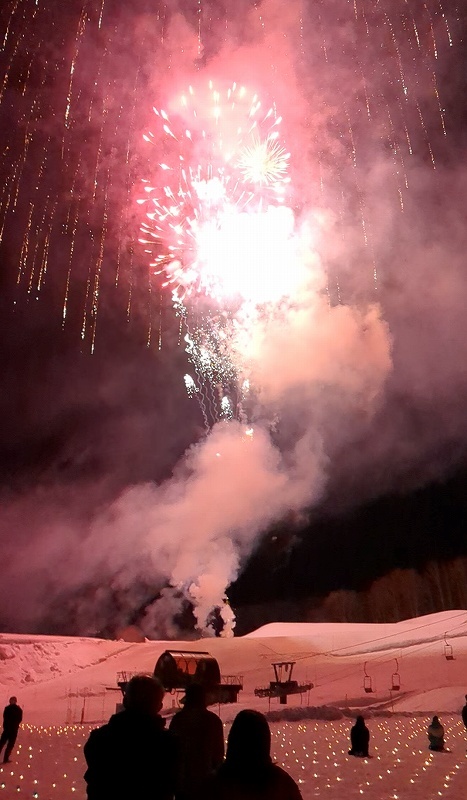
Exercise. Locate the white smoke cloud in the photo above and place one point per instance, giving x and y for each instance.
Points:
(198, 529)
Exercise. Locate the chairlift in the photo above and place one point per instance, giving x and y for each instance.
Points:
(396, 678)
(448, 652)
(367, 683)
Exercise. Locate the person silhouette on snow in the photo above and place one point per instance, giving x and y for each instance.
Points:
(12, 718)
(132, 756)
(200, 735)
(435, 735)
(359, 738)
(464, 713)
(248, 772)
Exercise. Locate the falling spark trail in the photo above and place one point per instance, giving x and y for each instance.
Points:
(7, 30)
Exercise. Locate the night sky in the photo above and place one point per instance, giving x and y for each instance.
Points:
(93, 402)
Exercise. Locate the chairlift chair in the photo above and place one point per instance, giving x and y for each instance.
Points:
(448, 653)
(396, 682)
(396, 678)
(367, 682)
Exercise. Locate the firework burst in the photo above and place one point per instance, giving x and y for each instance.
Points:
(71, 160)
(264, 162)
(219, 230)
(219, 189)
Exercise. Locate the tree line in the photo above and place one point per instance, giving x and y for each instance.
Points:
(400, 594)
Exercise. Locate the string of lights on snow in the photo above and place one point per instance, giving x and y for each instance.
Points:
(49, 761)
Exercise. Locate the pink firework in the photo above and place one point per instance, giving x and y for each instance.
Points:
(217, 222)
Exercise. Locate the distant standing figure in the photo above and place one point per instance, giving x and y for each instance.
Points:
(464, 713)
(133, 757)
(359, 738)
(436, 735)
(12, 718)
(200, 734)
(248, 772)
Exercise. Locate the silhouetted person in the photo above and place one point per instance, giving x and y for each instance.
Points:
(200, 734)
(436, 735)
(12, 717)
(248, 772)
(359, 739)
(132, 757)
(464, 713)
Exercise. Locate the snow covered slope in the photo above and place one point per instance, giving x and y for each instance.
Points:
(54, 677)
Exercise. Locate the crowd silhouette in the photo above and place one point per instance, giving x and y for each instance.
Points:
(134, 756)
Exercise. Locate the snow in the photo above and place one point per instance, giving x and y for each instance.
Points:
(66, 686)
